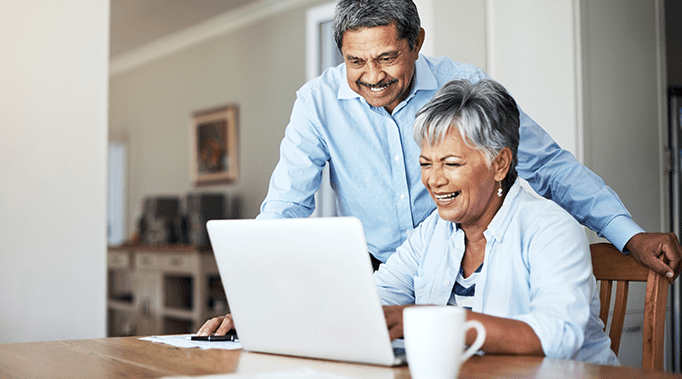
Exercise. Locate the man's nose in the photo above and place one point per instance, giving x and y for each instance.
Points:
(374, 73)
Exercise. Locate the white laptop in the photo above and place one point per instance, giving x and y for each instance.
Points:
(303, 287)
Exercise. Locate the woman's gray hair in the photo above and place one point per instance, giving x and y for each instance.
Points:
(356, 14)
(485, 114)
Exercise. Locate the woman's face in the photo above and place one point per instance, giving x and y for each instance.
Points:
(460, 182)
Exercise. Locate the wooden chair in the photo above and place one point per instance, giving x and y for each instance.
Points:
(610, 265)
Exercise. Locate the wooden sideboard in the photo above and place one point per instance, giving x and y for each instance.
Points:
(156, 290)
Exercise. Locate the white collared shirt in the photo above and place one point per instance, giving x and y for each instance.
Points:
(537, 269)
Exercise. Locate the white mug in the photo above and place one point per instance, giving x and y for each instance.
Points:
(434, 340)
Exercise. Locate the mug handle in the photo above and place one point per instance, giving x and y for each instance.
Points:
(480, 338)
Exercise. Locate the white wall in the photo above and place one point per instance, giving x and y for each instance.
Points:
(459, 31)
(53, 145)
(527, 45)
(532, 52)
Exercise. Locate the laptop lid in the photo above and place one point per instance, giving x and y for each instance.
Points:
(302, 287)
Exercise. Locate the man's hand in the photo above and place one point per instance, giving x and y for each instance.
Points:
(217, 325)
(394, 320)
(647, 247)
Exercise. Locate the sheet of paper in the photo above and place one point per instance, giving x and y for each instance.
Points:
(301, 373)
(184, 341)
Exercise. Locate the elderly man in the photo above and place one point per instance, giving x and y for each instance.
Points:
(358, 117)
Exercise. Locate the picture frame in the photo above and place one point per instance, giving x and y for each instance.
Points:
(213, 145)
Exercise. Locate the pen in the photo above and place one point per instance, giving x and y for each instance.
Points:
(228, 337)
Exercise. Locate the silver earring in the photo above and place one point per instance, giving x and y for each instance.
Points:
(499, 190)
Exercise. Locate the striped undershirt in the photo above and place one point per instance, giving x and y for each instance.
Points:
(464, 289)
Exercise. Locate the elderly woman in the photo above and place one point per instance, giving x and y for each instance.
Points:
(518, 263)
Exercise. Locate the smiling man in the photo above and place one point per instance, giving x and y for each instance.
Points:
(380, 66)
(358, 117)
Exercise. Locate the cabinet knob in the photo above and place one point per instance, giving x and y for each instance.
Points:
(145, 308)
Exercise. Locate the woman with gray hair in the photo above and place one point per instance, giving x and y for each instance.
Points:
(518, 263)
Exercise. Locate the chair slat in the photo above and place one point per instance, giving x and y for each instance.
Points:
(605, 301)
(611, 265)
(618, 319)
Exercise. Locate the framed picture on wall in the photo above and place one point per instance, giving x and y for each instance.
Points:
(213, 145)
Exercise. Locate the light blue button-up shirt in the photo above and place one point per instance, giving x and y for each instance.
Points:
(537, 269)
(374, 161)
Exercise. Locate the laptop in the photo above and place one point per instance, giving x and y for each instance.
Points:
(303, 287)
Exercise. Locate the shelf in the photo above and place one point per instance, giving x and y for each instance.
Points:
(175, 326)
(178, 292)
(119, 305)
(162, 290)
(179, 314)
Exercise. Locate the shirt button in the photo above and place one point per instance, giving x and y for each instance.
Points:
(397, 158)
(458, 245)
(447, 283)
(402, 197)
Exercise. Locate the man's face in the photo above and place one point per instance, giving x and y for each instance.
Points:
(379, 65)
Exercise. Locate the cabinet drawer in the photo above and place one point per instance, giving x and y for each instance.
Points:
(148, 261)
(118, 259)
(180, 263)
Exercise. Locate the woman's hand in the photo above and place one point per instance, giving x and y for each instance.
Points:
(394, 320)
(217, 325)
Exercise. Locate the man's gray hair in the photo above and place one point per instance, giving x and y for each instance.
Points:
(485, 114)
(356, 14)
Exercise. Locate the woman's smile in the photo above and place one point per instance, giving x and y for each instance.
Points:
(446, 197)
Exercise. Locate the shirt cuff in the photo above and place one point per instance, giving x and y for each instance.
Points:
(620, 230)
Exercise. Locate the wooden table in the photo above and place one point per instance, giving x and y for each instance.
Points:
(129, 357)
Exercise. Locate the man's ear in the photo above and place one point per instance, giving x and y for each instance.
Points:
(420, 40)
(501, 164)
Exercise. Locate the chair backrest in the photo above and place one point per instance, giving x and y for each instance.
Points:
(610, 265)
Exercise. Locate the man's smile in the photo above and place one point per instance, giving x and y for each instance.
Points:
(379, 86)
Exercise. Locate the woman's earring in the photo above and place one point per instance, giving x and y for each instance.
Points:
(499, 190)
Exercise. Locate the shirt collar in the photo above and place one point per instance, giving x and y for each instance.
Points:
(505, 214)
(423, 80)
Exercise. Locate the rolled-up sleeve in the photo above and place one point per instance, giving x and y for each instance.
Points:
(561, 288)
